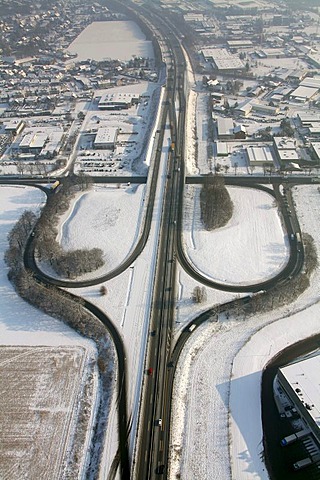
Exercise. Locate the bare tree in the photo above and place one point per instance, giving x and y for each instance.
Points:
(103, 290)
(199, 294)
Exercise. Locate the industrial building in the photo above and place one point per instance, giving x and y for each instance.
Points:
(300, 382)
(106, 138)
(43, 141)
(304, 94)
(225, 128)
(118, 101)
(286, 152)
(316, 150)
(13, 126)
(222, 59)
(259, 156)
(222, 149)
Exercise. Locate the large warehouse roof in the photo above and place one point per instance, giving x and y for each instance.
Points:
(303, 377)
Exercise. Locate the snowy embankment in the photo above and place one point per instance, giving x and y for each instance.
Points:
(51, 389)
(222, 363)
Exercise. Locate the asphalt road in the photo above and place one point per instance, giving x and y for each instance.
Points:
(152, 458)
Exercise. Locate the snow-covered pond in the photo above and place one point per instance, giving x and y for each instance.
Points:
(115, 40)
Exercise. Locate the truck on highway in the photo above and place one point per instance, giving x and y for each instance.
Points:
(292, 438)
(55, 185)
(192, 327)
(302, 463)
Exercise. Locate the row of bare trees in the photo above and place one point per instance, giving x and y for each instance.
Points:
(69, 264)
(61, 305)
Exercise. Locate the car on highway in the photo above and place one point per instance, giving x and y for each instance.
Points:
(159, 422)
(160, 469)
(150, 371)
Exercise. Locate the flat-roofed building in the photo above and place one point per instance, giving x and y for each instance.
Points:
(286, 156)
(222, 59)
(106, 138)
(284, 143)
(258, 156)
(222, 149)
(300, 383)
(312, 82)
(42, 141)
(13, 126)
(314, 130)
(225, 127)
(286, 151)
(304, 94)
(118, 101)
(239, 43)
(261, 108)
(316, 149)
(308, 119)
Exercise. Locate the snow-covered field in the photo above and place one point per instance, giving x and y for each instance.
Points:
(41, 389)
(254, 232)
(114, 39)
(217, 431)
(109, 211)
(44, 368)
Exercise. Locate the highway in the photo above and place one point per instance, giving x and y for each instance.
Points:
(151, 458)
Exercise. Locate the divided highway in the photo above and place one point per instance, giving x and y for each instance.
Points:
(151, 458)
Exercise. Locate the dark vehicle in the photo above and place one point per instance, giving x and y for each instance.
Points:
(160, 470)
(150, 371)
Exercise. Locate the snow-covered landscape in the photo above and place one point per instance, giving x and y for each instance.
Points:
(50, 375)
(117, 39)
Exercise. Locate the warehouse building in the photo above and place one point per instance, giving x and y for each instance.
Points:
(259, 156)
(118, 101)
(222, 59)
(43, 142)
(304, 94)
(225, 128)
(286, 152)
(106, 138)
(316, 150)
(300, 382)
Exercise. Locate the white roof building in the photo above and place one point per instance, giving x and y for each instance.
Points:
(259, 155)
(41, 140)
(106, 137)
(222, 149)
(225, 127)
(303, 94)
(284, 143)
(301, 383)
(308, 119)
(316, 149)
(222, 59)
(118, 100)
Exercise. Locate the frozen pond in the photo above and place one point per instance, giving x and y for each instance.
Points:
(115, 39)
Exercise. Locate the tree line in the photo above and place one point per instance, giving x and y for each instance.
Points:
(69, 264)
(215, 202)
(61, 305)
